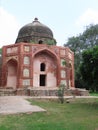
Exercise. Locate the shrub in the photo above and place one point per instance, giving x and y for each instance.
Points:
(61, 93)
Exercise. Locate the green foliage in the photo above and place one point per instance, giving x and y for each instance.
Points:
(51, 42)
(89, 68)
(80, 115)
(48, 41)
(32, 41)
(63, 62)
(88, 39)
(91, 36)
(0, 50)
(93, 93)
(61, 93)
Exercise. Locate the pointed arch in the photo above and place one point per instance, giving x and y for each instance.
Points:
(48, 61)
(47, 51)
(11, 73)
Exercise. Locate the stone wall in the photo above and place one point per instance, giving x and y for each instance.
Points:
(79, 92)
(26, 91)
(7, 92)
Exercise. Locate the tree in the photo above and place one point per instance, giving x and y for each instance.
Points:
(80, 43)
(90, 36)
(89, 68)
(0, 51)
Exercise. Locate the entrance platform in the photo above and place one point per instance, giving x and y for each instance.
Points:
(42, 91)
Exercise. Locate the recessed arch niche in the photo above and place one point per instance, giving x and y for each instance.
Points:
(11, 73)
(45, 69)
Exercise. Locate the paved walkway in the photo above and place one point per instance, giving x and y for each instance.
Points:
(17, 104)
(56, 97)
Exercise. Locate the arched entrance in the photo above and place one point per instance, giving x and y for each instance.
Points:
(42, 78)
(11, 73)
(45, 70)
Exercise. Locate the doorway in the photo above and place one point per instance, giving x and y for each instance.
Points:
(42, 80)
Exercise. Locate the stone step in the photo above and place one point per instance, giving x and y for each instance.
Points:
(7, 92)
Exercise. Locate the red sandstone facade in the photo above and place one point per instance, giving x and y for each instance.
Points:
(35, 62)
(37, 65)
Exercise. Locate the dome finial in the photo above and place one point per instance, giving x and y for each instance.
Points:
(36, 19)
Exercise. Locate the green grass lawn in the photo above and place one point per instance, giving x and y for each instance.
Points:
(82, 114)
(94, 94)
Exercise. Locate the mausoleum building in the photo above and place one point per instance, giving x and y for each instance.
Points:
(36, 61)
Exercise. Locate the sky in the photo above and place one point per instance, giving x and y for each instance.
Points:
(66, 18)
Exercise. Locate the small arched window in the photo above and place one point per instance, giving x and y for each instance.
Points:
(40, 42)
(42, 67)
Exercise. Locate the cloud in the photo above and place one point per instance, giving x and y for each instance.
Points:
(90, 16)
(9, 28)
